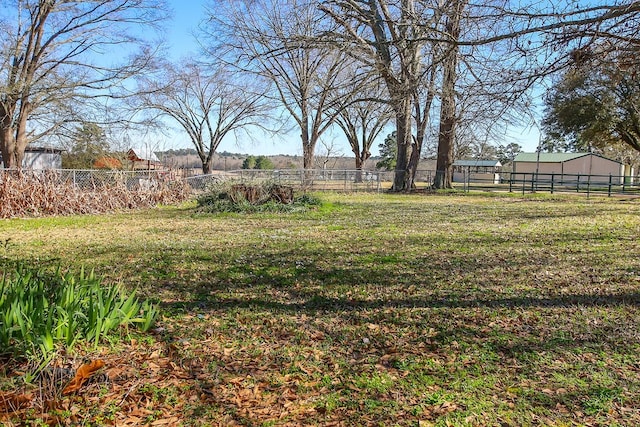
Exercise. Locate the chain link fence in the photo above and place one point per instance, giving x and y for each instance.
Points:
(93, 179)
(304, 180)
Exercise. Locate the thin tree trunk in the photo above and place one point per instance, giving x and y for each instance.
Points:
(21, 141)
(422, 119)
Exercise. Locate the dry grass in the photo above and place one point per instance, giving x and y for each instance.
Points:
(40, 195)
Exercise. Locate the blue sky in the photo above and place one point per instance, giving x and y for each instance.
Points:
(187, 15)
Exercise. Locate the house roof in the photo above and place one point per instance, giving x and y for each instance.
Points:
(142, 153)
(33, 149)
(476, 162)
(547, 157)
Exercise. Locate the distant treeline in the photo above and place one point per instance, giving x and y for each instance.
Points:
(192, 152)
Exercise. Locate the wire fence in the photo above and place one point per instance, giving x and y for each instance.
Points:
(345, 180)
(304, 180)
(93, 179)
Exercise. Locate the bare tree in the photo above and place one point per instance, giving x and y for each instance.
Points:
(363, 113)
(207, 104)
(328, 152)
(392, 37)
(274, 41)
(53, 54)
(402, 40)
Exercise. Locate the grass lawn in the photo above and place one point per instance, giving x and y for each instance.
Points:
(372, 310)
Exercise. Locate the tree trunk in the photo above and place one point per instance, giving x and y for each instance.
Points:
(446, 139)
(206, 167)
(447, 132)
(308, 142)
(414, 160)
(422, 120)
(307, 156)
(403, 180)
(7, 138)
(359, 164)
(7, 147)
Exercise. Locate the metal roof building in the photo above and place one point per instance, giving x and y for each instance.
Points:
(568, 164)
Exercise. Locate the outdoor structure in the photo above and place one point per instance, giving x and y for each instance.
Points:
(487, 171)
(143, 159)
(570, 167)
(41, 158)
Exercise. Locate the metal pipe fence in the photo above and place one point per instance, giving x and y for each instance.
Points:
(532, 182)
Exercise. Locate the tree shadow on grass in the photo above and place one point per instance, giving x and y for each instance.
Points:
(323, 303)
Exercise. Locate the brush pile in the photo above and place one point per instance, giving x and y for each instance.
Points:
(229, 196)
(36, 195)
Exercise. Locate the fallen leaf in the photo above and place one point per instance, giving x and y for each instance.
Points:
(83, 373)
(10, 402)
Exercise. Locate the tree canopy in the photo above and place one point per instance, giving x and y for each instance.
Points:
(259, 162)
(388, 152)
(88, 143)
(595, 104)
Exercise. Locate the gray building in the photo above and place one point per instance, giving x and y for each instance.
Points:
(40, 158)
(475, 170)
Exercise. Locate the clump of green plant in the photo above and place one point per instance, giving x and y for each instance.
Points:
(251, 198)
(40, 310)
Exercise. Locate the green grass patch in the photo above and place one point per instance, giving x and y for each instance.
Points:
(385, 309)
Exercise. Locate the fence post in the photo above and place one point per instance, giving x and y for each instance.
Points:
(464, 180)
(533, 179)
(610, 182)
(578, 184)
(510, 182)
(553, 175)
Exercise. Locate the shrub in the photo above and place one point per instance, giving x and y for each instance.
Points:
(40, 311)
